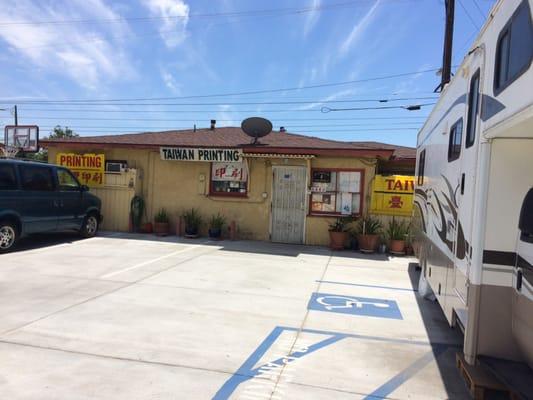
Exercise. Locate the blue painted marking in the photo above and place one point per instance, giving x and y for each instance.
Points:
(368, 286)
(396, 381)
(242, 373)
(354, 305)
(247, 372)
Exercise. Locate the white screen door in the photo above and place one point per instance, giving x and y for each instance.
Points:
(288, 204)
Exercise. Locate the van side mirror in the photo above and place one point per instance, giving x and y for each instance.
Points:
(84, 188)
(525, 224)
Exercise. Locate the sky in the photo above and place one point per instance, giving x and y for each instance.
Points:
(150, 65)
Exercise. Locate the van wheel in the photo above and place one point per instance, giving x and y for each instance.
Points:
(90, 226)
(8, 236)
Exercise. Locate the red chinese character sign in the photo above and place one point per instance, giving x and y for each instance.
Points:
(235, 172)
(88, 168)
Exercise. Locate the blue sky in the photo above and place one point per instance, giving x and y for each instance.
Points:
(161, 49)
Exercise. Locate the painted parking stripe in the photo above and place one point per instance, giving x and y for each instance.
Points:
(368, 286)
(148, 262)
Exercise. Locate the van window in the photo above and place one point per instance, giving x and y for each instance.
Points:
(473, 109)
(515, 48)
(421, 167)
(456, 137)
(8, 180)
(525, 223)
(66, 180)
(36, 178)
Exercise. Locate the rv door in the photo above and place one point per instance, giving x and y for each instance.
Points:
(467, 176)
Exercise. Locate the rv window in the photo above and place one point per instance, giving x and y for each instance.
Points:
(473, 109)
(525, 223)
(421, 167)
(456, 136)
(515, 48)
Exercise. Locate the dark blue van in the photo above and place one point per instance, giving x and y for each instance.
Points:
(37, 197)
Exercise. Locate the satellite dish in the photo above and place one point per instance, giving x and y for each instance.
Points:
(256, 127)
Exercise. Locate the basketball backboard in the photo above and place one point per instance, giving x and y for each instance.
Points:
(21, 138)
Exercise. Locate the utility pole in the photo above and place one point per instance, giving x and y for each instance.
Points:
(448, 44)
(16, 116)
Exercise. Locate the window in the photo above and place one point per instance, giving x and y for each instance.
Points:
(8, 180)
(456, 137)
(473, 110)
(525, 223)
(36, 178)
(229, 179)
(66, 181)
(515, 48)
(421, 167)
(337, 192)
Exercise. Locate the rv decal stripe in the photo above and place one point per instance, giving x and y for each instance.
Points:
(523, 263)
(499, 257)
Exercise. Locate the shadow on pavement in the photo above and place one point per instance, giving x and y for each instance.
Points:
(41, 240)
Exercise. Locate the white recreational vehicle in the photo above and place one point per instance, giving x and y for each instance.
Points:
(474, 190)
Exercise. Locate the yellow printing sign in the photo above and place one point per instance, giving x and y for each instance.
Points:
(88, 168)
(393, 195)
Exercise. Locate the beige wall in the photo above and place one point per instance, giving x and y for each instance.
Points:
(180, 185)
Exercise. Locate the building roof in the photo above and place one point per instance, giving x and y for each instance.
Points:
(400, 152)
(231, 137)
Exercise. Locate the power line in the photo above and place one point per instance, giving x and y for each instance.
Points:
(283, 121)
(225, 111)
(275, 11)
(479, 9)
(322, 85)
(468, 15)
(287, 126)
(247, 103)
(310, 131)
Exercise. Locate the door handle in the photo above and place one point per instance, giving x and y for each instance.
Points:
(463, 183)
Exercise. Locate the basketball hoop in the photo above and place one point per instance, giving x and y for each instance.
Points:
(20, 138)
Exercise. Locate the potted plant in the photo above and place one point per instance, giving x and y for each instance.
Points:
(161, 223)
(216, 223)
(368, 234)
(338, 232)
(193, 220)
(396, 234)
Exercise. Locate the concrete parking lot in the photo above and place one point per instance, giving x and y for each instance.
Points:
(135, 317)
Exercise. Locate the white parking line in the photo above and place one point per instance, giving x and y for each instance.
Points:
(111, 274)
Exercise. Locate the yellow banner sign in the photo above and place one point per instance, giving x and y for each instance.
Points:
(88, 168)
(393, 195)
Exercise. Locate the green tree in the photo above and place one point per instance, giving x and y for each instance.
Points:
(60, 133)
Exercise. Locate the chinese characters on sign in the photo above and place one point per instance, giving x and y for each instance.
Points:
(88, 168)
(229, 172)
(393, 195)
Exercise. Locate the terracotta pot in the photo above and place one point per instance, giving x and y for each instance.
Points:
(161, 228)
(397, 246)
(337, 240)
(368, 243)
(147, 227)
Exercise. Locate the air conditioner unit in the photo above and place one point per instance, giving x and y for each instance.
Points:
(116, 166)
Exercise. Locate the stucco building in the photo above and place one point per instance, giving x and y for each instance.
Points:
(287, 188)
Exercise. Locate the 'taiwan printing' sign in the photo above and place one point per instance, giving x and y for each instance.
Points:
(200, 154)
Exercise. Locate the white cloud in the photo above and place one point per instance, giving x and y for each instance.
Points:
(170, 82)
(331, 97)
(175, 16)
(87, 53)
(312, 17)
(359, 29)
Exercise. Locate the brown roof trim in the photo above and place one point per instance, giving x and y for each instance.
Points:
(371, 153)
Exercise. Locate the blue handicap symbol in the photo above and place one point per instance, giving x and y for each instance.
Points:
(354, 305)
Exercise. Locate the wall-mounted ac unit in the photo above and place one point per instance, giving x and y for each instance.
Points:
(116, 166)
